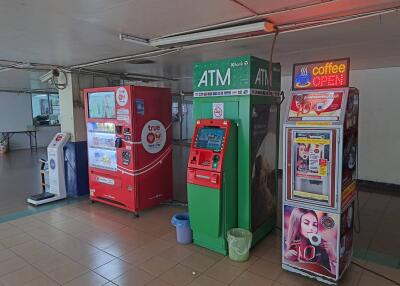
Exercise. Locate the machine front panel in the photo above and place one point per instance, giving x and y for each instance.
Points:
(311, 158)
(310, 240)
(207, 152)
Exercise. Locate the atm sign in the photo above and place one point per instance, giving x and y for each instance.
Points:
(324, 74)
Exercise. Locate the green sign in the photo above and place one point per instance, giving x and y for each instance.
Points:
(234, 76)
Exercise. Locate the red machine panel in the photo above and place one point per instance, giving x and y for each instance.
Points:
(129, 145)
(207, 152)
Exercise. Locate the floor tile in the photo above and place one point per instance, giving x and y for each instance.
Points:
(67, 272)
(94, 260)
(179, 275)
(21, 276)
(158, 282)
(134, 277)
(12, 264)
(199, 262)
(242, 265)
(266, 269)
(294, 279)
(224, 271)
(250, 279)
(41, 281)
(6, 254)
(15, 240)
(176, 253)
(204, 280)
(369, 279)
(88, 279)
(157, 265)
(113, 269)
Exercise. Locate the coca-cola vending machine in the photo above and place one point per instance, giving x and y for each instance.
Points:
(129, 146)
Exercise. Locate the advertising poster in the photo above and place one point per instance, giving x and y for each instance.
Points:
(263, 158)
(310, 240)
(346, 237)
(311, 164)
(324, 105)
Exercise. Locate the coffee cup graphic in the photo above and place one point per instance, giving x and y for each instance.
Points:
(315, 239)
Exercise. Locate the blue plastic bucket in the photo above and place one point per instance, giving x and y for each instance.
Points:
(183, 230)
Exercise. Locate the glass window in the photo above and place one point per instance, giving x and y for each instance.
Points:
(45, 109)
(182, 118)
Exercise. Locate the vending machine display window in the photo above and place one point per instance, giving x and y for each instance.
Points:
(312, 161)
(101, 144)
(101, 104)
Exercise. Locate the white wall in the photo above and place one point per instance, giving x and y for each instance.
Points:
(16, 115)
(379, 130)
(15, 111)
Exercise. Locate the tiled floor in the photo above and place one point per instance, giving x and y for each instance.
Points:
(94, 244)
(19, 178)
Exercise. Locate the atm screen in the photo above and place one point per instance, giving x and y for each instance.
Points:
(210, 138)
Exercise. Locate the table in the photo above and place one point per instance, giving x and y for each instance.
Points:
(30, 133)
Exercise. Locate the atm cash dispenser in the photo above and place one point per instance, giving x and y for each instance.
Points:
(212, 182)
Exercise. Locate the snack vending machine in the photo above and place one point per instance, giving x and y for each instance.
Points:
(320, 171)
(129, 146)
(212, 182)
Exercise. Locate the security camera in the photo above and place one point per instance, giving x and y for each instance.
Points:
(49, 75)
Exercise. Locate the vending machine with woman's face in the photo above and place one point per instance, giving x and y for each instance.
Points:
(319, 174)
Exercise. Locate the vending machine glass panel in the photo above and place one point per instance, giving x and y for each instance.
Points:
(311, 161)
(101, 104)
(101, 140)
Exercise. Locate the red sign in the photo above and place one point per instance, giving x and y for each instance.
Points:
(324, 74)
(323, 105)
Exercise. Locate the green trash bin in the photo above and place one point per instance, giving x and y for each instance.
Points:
(239, 242)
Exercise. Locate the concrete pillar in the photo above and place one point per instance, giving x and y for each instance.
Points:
(72, 119)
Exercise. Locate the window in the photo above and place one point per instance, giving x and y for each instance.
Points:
(45, 109)
(182, 118)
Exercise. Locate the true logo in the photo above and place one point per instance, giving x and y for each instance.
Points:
(153, 136)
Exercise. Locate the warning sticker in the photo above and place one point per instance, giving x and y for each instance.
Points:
(218, 111)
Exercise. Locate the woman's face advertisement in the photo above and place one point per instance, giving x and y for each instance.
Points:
(310, 240)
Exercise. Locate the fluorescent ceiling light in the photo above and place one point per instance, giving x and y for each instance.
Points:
(133, 39)
(263, 26)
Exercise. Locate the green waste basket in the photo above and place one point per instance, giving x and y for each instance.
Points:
(239, 242)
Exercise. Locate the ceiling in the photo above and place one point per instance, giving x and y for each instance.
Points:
(74, 32)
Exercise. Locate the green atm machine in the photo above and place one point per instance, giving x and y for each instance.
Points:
(212, 182)
(239, 90)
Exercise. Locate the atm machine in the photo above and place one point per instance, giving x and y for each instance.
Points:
(55, 160)
(320, 171)
(240, 92)
(212, 182)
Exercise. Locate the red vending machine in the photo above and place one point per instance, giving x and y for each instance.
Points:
(129, 146)
(320, 171)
